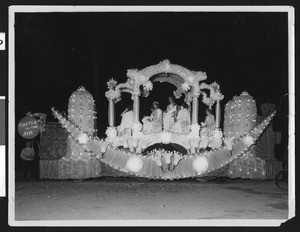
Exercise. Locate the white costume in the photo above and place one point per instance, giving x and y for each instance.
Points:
(126, 123)
(209, 125)
(209, 121)
(183, 121)
(153, 123)
(168, 119)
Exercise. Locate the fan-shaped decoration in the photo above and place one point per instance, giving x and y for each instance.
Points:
(210, 161)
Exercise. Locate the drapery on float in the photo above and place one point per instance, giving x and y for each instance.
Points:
(126, 153)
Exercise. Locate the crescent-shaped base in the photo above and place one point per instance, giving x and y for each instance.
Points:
(163, 164)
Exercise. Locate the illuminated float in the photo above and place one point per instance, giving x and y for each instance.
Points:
(130, 153)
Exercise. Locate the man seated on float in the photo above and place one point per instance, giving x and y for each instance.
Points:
(183, 120)
(209, 123)
(125, 127)
(153, 123)
(169, 114)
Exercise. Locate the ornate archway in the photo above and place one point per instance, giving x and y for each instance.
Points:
(185, 80)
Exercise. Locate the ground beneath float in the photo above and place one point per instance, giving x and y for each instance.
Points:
(126, 198)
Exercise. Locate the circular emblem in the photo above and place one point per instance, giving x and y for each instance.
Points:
(28, 127)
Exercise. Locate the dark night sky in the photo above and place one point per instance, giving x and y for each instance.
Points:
(58, 52)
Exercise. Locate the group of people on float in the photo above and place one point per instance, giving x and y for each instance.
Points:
(176, 119)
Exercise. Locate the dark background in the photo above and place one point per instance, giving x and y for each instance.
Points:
(55, 53)
(280, 121)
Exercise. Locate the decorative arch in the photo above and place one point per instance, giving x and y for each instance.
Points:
(166, 67)
(190, 78)
(186, 81)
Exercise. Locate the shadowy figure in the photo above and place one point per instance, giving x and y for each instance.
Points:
(28, 161)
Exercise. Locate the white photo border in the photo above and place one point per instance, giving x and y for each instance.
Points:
(11, 113)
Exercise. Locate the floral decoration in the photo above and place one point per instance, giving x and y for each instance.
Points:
(137, 126)
(103, 146)
(111, 132)
(41, 118)
(165, 137)
(217, 134)
(148, 86)
(185, 86)
(111, 83)
(206, 100)
(112, 94)
(248, 140)
(217, 96)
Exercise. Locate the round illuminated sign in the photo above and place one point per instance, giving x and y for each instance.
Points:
(28, 127)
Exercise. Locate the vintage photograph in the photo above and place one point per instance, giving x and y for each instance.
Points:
(150, 115)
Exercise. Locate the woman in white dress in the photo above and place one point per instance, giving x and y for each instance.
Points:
(127, 121)
(153, 123)
(209, 122)
(183, 120)
(170, 114)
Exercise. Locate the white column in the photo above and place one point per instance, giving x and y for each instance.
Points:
(111, 112)
(218, 114)
(195, 110)
(136, 108)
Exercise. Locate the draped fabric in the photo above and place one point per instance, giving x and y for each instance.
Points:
(168, 117)
(247, 166)
(48, 169)
(271, 167)
(71, 168)
(53, 144)
(266, 144)
(153, 123)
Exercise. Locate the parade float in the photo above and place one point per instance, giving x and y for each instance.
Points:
(142, 154)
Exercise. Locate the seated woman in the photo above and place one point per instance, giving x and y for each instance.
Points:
(209, 123)
(127, 121)
(170, 114)
(153, 123)
(183, 120)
